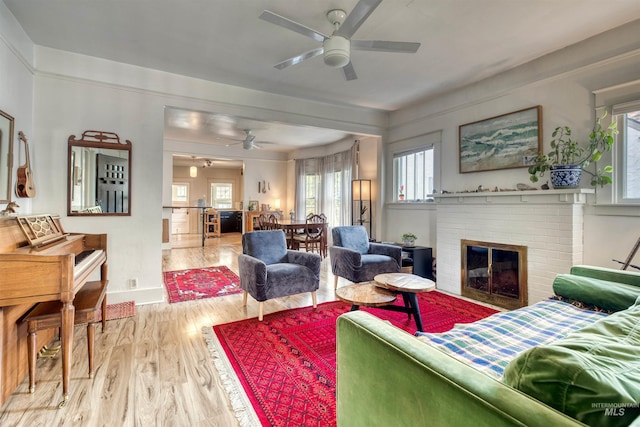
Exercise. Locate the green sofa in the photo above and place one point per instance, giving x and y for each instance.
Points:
(386, 376)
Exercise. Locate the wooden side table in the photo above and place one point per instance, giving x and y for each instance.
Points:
(365, 294)
(407, 285)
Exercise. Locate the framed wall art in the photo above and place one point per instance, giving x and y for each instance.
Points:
(253, 205)
(503, 142)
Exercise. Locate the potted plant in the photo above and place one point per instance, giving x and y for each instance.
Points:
(401, 193)
(409, 239)
(567, 158)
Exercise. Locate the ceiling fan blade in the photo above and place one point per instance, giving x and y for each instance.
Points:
(356, 17)
(299, 58)
(385, 46)
(349, 71)
(292, 25)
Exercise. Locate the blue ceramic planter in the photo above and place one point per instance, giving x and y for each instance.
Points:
(565, 176)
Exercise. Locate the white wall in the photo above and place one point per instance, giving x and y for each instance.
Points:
(72, 93)
(563, 84)
(16, 95)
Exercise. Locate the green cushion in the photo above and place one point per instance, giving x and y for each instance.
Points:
(603, 273)
(592, 375)
(601, 293)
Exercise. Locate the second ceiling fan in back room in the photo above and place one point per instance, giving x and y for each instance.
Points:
(249, 141)
(336, 48)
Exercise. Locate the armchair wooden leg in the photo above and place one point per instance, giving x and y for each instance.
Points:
(244, 299)
(335, 282)
(313, 298)
(260, 310)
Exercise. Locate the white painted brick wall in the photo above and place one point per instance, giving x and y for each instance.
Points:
(549, 223)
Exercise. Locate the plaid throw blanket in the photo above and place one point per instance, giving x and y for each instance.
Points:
(491, 343)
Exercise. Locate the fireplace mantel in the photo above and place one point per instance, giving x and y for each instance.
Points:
(578, 196)
(548, 222)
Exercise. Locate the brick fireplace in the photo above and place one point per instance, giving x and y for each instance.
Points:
(549, 223)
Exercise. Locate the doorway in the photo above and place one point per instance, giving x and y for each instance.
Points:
(180, 223)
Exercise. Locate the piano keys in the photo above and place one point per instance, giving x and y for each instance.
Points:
(38, 266)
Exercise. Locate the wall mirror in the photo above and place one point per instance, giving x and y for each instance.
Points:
(99, 170)
(6, 156)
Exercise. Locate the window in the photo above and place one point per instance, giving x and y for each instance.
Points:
(623, 103)
(413, 174)
(221, 195)
(627, 165)
(180, 193)
(311, 190)
(333, 192)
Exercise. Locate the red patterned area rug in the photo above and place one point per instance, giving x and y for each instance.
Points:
(200, 283)
(281, 372)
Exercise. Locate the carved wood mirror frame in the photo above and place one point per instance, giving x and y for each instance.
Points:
(99, 175)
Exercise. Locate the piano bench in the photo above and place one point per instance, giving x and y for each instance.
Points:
(90, 307)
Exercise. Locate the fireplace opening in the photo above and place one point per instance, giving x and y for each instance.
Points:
(494, 273)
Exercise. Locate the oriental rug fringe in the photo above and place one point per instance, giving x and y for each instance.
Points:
(281, 372)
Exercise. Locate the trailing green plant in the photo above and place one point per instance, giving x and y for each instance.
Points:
(568, 152)
(409, 236)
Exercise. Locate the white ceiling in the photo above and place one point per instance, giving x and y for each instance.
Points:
(462, 41)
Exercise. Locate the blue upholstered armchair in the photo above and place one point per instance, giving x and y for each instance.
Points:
(268, 270)
(356, 259)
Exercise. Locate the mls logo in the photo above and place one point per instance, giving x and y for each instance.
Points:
(614, 412)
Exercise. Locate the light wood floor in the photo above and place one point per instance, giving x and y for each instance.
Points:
(153, 369)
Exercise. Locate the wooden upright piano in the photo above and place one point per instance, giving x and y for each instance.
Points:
(40, 262)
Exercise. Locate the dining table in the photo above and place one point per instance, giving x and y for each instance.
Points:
(293, 226)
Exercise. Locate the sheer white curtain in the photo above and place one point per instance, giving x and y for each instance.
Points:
(323, 185)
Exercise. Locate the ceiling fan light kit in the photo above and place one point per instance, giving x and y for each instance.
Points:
(336, 52)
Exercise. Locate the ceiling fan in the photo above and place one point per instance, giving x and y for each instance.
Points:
(336, 48)
(248, 143)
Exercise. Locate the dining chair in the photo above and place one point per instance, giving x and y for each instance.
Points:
(313, 237)
(263, 219)
(271, 223)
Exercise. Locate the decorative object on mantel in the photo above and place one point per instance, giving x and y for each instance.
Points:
(10, 209)
(409, 239)
(567, 158)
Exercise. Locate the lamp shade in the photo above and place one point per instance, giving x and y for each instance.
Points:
(193, 171)
(361, 189)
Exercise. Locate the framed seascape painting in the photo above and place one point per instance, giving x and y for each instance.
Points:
(503, 142)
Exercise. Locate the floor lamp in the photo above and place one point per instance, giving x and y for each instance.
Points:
(361, 203)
